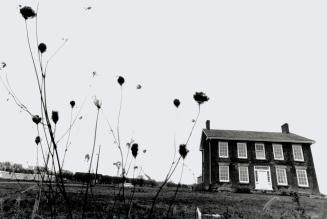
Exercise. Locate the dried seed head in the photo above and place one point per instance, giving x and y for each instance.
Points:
(135, 149)
(42, 47)
(117, 164)
(183, 150)
(200, 97)
(87, 157)
(37, 140)
(121, 80)
(177, 103)
(36, 119)
(55, 116)
(72, 103)
(97, 103)
(27, 12)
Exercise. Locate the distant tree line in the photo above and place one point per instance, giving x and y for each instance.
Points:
(82, 177)
(105, 179)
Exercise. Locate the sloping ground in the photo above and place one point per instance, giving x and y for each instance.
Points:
(238, 205)
(232, 205)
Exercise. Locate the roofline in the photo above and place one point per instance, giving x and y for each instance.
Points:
(262, 140)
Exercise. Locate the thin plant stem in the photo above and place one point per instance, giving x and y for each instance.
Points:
(73, 122)
(31, 54)
(119, 144)
(44, 105)
(97, 166)
(89, 171)
(67, 142)
(172, 169)
(176, 191)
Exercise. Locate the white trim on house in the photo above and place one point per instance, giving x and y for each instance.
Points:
(297, 155)
(262, 178)
(222, 174)
(209, 162)
(281, 176)
(223, 149)
(245, 151)
(278, 151)
(240, 177)
(260, 154)
(302, 177)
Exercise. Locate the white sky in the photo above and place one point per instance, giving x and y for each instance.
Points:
(262, 63)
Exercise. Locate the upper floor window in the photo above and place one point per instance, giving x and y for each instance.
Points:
(243, 174)
(278, 152)
(281, 176)
(241, 150)
(302, 178)
(223, 149)
(297, 152)
(224, 173)
(260, 151)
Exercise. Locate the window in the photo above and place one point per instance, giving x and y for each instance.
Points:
(260, 151)
(223, 149)
(297, 153)
(302, 178)
(281, 176)
(268, 177)
(278, 152)
(241, 150)
(224, 173)
(243, 174)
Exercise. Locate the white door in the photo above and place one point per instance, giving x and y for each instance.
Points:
(262, 178)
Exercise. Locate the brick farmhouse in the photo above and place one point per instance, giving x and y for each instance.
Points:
(257, 161)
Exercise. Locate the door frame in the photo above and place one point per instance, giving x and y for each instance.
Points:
(264, 168)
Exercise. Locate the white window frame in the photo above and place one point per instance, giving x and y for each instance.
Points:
(306, 178)
(275, 150)
(294, 146)
(256, 151)
(239, 144)
(220, 171)
(283, 169)
(220, 145)
(247, 173)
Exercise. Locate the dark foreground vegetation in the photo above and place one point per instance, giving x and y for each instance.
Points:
(17, 201)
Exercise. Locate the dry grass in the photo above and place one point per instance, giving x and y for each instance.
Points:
(231, 205)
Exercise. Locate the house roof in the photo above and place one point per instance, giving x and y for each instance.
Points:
(255, 136)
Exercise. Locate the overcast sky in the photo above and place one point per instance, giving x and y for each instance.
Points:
(262, 63)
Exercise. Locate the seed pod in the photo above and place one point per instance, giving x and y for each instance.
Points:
(72, 103)
(177, 103)
(135, 149)
(27, 12)
(183, 150)
(42, 47)
(121, 80)
(55, 116)
(200, 97)
(97, 103)
(36, 119)
(37, 140)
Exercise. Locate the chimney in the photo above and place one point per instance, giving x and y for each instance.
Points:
(208, 124)
(285, 128)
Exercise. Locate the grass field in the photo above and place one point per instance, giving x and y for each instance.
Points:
(17, 200)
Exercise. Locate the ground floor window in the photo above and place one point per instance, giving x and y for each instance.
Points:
(302, 177)
(243, 173)
(281, 176)
(224, 173)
